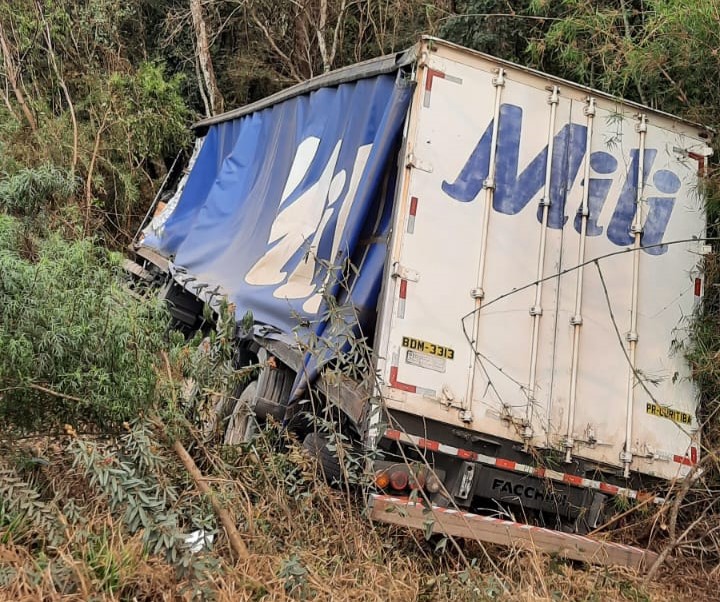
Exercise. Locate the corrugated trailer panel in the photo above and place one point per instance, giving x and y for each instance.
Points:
(471, 338)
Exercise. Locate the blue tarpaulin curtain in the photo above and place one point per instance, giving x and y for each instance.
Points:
(276, 195)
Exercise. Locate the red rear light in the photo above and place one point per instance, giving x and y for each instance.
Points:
(399, 479)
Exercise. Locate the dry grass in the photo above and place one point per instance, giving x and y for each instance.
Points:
(306, 542)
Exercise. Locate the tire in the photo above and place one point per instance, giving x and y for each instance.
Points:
(275, 384)
(328, 462)
(274, 389)
(237, 428)
(267, 396)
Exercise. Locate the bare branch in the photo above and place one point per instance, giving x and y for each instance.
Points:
(269, 38)
(202, 48)
(63, 86)
(320, 33)
(11, 72)
(91, 169)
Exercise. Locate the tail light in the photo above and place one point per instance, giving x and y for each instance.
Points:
(399, 479)
(433, 484)
(417, 481)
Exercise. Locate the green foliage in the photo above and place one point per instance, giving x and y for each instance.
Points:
(24, 516)
(121, 507)
(153, 112)
(97, 109)
(268, 45)
(294, 575)
(659, 52)
(135, 481)
(28, 190)
(491, 26)
(76, 347)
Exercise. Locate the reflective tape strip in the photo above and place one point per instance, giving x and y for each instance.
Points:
(430, 77)
(536, 471)
(700, 161)
(684, 460)
(412, 214)
(402, 298)
(428, 444)
(395, 383)
(403, 288)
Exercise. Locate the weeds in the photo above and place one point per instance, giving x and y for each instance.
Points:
(76, 347)
(110, 516)
(28, 190)
(306, 540)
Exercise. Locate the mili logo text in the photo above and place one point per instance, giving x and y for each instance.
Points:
(513, 190)
(306, 215)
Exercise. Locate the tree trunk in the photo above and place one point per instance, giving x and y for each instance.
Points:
(63, 85)
(202, 48)
(12, 76)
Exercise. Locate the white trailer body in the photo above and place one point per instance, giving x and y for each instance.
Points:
(509, 313)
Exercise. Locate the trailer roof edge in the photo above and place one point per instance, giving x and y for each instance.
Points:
(371, 68)
(427, 39)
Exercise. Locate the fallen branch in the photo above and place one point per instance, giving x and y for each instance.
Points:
(675, 541)
(55, 393)
(233, 535)
(236, 542)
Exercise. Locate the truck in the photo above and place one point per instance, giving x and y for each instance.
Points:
(522, 255)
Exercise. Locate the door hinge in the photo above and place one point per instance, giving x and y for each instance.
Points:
(416, 163)
(400, 271)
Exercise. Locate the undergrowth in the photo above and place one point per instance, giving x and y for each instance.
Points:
(120, 510)
(95, 503)
(76, 348)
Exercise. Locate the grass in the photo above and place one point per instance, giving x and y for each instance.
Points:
(306, 540)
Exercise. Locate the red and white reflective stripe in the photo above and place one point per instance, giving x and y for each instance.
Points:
(411, 215)
(535, 471)
(687, 460)
(396, 384)
(405, 501)
(403, 297)
(431, 75)
(684, 460)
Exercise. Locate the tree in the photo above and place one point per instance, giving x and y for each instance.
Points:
(81, 94)
(496, 27)
(210, 93)
(659, 52)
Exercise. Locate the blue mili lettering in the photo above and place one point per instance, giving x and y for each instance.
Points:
(602, 163)
(622, 218)
(659, 211)
(513, 190)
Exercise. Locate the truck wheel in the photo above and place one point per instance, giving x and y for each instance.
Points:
(237, 428)
(328, 462)
(273, 393)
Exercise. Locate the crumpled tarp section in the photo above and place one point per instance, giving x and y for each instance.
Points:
(278, 199)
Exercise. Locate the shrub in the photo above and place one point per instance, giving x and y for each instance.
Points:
(26, 191)
(76, 347)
